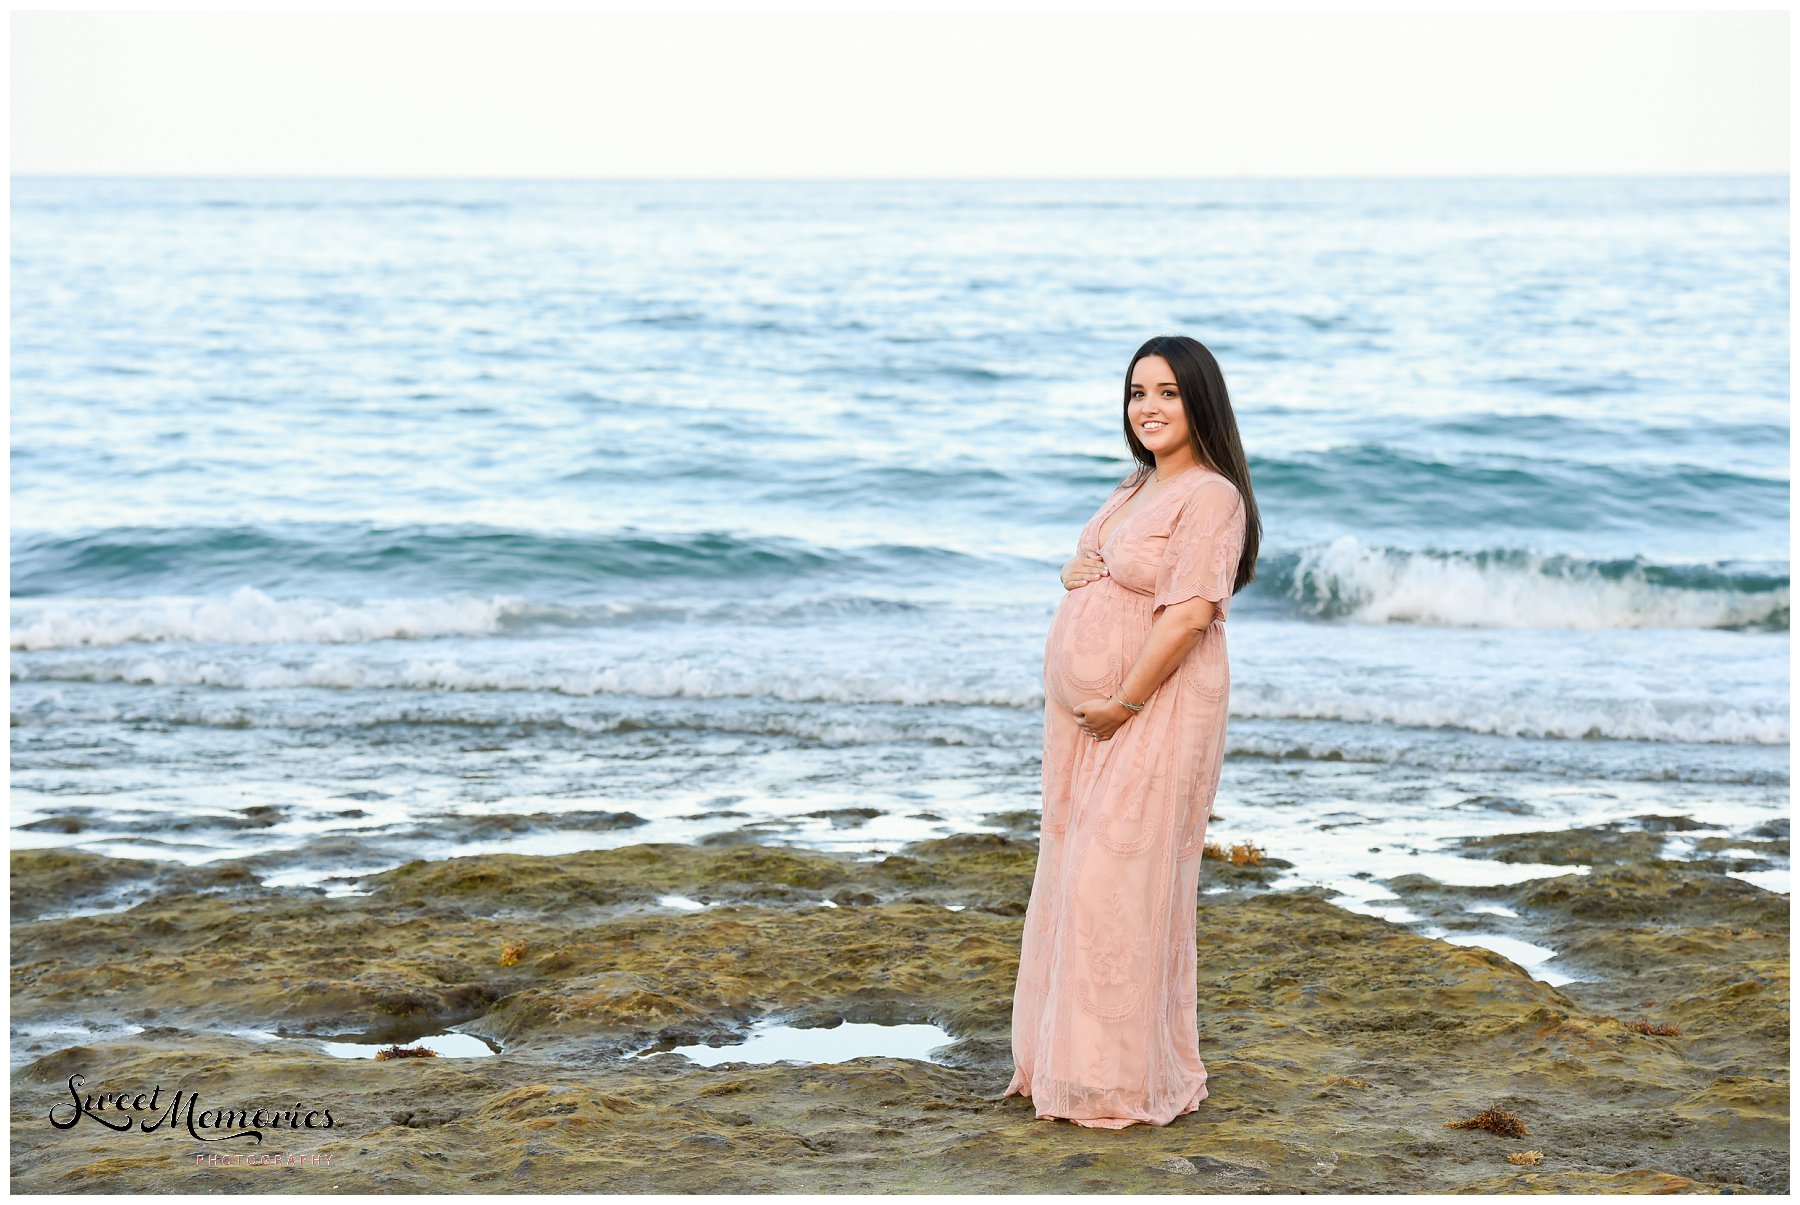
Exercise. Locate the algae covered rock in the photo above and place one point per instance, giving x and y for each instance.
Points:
(1343, 1049)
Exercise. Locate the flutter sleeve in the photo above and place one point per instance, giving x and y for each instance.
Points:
(1201, 557)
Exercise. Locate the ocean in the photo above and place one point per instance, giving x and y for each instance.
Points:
(358, 521)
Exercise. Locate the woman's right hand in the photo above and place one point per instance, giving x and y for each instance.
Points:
(1087, 566)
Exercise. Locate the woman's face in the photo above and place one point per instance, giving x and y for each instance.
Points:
(1155, 409)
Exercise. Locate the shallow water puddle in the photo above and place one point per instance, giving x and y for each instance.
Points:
(1768, 880)
(447, 1045)
(29, 1041)
(771, 1043)
(1529, 957)
(32, 1040)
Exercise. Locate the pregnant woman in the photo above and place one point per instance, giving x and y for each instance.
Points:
(1104, 1026)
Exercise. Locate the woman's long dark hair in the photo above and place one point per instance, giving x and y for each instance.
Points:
(1212, 430)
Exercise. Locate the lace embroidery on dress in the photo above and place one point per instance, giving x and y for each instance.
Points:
(1145, 774)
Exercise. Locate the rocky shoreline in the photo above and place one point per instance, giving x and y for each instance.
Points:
(1343, 1050)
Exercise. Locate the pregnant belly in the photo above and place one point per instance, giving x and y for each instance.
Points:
(1093, 640)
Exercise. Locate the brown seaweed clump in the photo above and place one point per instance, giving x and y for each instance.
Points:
(1528, 1158)
(1240, 853)
(406, 1052)
(1503, 1122)
(1662, 1029)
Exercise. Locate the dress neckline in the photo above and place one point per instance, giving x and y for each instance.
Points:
(1113, 508)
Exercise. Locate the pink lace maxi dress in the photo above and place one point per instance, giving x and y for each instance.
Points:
(1105, 1030)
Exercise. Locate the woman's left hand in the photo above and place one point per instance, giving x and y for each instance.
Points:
(1100, 718)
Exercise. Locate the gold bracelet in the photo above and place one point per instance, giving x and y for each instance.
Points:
(1128, 706)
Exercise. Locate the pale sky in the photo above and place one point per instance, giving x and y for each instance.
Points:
(1083, 94)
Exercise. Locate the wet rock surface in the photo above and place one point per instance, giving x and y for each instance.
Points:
(1340, 1046)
